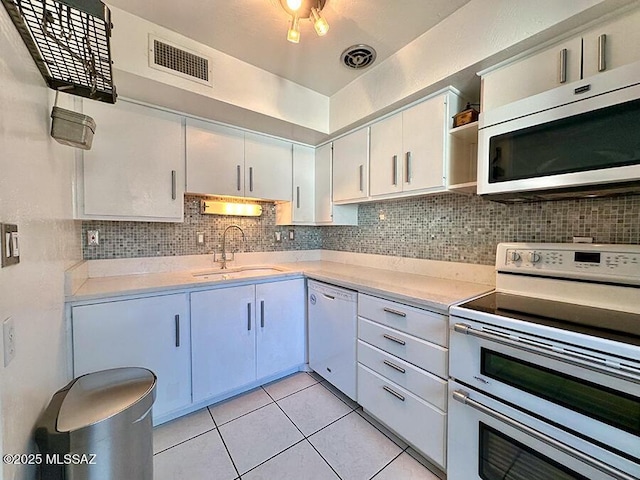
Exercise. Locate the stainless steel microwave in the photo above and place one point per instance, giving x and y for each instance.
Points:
(580, 139)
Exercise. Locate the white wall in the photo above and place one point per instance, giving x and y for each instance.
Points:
(35, 194)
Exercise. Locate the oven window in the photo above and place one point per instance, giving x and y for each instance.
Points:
(596, 401)
(590, 141)
(503, 458)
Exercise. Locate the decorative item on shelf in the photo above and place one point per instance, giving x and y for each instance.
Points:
(303, 9)
(468, 115)
(211, 207)
(69, 41)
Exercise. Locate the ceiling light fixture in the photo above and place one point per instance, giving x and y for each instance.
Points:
(303, 9)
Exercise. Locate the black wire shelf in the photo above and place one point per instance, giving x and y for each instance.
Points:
(69, 41)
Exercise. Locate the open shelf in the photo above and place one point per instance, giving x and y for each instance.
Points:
(467, 133)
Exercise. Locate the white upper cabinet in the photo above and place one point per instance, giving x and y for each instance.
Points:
(351, 167)
(135, 168)
(228, 161)
(409, 150)
(612, 45)
(532, 75)
(215, 159)
(602, 48)
(323, 204)
(268, 168)
(302, 209)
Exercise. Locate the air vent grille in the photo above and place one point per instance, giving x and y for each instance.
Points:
(179, 61)
(358, 56)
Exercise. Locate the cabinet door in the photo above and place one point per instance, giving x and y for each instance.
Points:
(135, 168)
(223, 340)
(303, 184)
(423, 141)
(215, 159)
(281, 332)
(386, 160)
(268, 168)
(148, 332)
(323, 207)
(532, 75)
(619, 48)
(351, 166)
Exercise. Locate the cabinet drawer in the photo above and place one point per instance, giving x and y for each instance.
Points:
(414, 321)
(420, 424)
(425, 355)
(425, 385)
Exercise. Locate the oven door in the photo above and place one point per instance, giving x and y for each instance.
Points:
(591, 401)
(489, 440)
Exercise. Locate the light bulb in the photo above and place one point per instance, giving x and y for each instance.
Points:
(293, 35)
(294, 5)
(319, 22)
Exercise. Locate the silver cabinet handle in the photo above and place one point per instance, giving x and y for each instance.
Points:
(174, 185)
(262, 313)
(563, 66)
(623, 372)
(394, 312)
(238, 177)
(394, 366)
(394, 339)
(408, 173)
(394, 179)
(177, 322)
(393, 392)
(602, 53)
(297, 197)
(251, 179)
(249, 316)
(463, 397)
(362, 178)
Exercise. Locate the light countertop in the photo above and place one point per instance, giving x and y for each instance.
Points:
(420, 290)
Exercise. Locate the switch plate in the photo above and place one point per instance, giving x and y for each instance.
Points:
(10, 252)
(199, 238)
(278, 236)
(292, 234)
(9, 334)
(93, 237)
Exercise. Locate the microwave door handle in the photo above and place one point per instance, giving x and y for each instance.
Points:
(625, 373)
(463, 397)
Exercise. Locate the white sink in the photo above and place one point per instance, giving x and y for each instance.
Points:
(231, 274)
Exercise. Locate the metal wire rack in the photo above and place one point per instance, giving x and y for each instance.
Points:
(69, 42)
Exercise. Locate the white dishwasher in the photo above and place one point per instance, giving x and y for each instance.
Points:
(333, 319)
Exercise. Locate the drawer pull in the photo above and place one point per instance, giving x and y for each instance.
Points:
(393, 392)
(394, 312)
(394, 366)
(394, 339)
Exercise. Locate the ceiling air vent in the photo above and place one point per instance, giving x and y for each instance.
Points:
(358, 56)
(178, 61)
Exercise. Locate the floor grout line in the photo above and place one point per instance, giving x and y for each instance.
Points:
(184, 441)
(224, 444)
(388, 463)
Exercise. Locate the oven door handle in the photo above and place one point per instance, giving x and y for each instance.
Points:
(463, 397)
(622, 372)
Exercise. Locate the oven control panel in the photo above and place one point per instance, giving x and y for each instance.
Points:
(589, 261)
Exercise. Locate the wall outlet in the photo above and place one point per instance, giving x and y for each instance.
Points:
(278, 236)
(9, 333)
(93, 237)
(10, 247)
(292, 234)
(199, 238)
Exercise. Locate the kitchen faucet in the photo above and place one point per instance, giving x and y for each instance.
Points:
(224, 243)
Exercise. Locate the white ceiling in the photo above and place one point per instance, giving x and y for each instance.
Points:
(255, 31)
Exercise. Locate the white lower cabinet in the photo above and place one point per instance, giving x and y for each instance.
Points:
(150, 332)
(244, 334)
(402, 371)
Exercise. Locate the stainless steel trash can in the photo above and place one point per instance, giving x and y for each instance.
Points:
(98, 427)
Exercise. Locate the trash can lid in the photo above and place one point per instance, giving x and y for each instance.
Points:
(100, 395)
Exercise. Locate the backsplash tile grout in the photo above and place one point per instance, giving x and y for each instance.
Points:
(446, 227)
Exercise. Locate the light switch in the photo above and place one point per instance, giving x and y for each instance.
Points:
(292, 234)
(200, 238)
(278, 236)
(10, 251)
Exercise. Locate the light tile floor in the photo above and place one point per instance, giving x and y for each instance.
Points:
(298, 428)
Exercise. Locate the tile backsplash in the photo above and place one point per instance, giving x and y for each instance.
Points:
(446, 227)
(151, 239)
